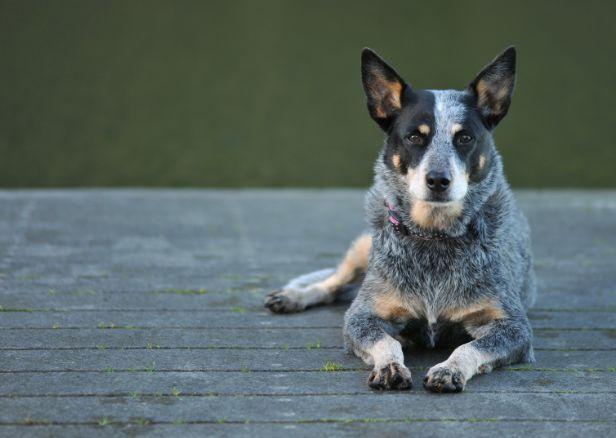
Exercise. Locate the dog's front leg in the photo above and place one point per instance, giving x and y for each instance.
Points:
(370, 338)
(500, 342)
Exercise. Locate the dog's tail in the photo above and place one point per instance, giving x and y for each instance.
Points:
(327, 285)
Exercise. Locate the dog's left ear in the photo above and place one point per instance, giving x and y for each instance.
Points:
(383, 88)
(493, 87)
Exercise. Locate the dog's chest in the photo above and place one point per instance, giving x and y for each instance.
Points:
(433, 293)
(427, 319)
(432, 317)
(428, 281)
(435, 273)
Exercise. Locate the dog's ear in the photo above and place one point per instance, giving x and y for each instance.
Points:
(383, 88)
(493, 87)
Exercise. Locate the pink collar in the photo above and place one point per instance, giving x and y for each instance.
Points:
(401, 229)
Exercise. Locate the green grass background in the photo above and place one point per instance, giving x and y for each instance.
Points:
(267, 93)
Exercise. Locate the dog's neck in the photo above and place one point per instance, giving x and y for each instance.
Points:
(398, 225)
(400, 228)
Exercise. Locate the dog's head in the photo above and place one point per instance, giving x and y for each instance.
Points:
(438, 142)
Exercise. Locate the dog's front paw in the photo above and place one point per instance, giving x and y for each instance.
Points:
(444, 378)
(284, 301)
(391, 376)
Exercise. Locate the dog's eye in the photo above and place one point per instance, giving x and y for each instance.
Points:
(464, 139)
(415, 139)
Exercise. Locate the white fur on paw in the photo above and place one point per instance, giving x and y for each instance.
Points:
(390, 376)
(444, 378)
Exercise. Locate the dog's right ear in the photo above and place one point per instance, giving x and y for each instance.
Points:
(383, 88)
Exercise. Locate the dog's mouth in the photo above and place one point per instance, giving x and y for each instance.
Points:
(436, 215)
(440, 200)
(436, 199)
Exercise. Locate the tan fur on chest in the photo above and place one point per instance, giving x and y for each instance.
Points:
(392, 306)
(476, 314)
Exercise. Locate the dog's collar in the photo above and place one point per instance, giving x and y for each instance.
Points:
(401, 229)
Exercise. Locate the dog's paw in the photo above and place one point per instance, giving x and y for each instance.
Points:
(284, 301)
(443, 378)
(391, 376)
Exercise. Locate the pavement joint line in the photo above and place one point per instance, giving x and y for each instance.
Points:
(415, 391)
(239, 347)
(512, 368)
(281, 328)
(265, 327)
(250, 310)
(281, 348)
(223, 422)
(158, 327)
(232, 290)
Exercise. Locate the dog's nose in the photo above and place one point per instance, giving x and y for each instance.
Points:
(438, 181)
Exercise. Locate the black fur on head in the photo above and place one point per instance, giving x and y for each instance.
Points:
(447, 133)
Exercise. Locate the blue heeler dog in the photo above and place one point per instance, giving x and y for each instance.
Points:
(447, 259)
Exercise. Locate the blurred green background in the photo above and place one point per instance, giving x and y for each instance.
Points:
(267, 93)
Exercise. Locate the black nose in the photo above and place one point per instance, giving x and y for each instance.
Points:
(438, 181)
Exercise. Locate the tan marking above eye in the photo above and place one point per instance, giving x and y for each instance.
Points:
(424, 129)
(396, 160)
(482, 161)
(456, 128)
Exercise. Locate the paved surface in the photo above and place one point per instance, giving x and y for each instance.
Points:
(139, 313)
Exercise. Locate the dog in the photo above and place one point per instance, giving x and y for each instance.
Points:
(448, 256)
